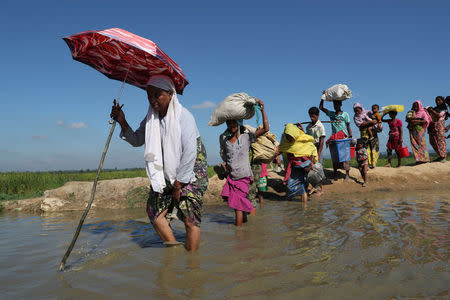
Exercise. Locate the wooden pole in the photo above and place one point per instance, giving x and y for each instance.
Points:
(94, 187)
(320, 121)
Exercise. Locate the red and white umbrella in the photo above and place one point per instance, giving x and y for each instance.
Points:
(124, 56)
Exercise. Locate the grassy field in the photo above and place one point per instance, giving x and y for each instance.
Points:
(22, 185)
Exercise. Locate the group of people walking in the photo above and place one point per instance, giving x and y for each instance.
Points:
(176, 158)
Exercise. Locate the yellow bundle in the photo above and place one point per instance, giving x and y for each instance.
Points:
(265, 148)
(303, 144)
(397, 108)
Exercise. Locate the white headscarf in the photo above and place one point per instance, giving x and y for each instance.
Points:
(163, 152)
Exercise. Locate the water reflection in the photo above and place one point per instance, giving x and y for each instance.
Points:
(379, 246)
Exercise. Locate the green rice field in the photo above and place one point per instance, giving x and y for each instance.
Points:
(22, 185)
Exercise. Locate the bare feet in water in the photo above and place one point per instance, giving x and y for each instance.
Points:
(312, 191)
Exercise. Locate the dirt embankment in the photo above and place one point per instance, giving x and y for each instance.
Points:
(133, 192)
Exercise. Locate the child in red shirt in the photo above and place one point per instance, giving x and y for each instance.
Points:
(395, 138)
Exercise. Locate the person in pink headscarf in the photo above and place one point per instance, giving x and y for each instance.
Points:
(418, 120)
(436, 130)
(363, 121)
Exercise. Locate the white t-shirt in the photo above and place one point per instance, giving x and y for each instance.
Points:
(316, 131)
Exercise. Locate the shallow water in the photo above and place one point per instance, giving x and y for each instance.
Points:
(373, 248)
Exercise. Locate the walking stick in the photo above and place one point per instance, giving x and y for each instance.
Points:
(94, 187)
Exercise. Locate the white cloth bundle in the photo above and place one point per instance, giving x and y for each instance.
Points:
(337, 92)
(233, 107)
(316, 175)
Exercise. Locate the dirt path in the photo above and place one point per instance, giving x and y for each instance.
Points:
(132, 192)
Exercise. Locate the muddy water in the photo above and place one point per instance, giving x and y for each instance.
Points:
(375, 247)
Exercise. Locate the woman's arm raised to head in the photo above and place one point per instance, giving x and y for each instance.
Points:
(322, 108)
(266, 127)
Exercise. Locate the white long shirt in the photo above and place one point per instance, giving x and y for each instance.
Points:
(189, 135)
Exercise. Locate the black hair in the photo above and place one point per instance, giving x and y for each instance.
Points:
(337, 102)
(393, 112)
(376, 105)
(313, 111)
(361, 141)
(440, 107)
(447, 100)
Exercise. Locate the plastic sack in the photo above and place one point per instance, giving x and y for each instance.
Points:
(316, 175)
(233, 107)
(265, 148)
(386, 109)
(337, 92)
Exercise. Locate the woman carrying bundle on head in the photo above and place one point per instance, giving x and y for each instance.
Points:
(235, 145)
(340, 124)
(300, 153)
(395, 141)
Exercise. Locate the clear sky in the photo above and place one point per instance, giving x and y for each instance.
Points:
(55, 111)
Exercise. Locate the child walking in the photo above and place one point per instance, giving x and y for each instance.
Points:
(235, 145)
(362, 158)
(262, 184)
(317, 131)
(395, 141)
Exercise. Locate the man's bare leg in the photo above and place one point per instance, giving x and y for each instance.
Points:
(192, 236)
(163, 229)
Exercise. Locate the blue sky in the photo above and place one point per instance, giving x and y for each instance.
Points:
(55, 111)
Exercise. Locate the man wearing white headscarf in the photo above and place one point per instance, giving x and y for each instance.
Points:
(175, 160)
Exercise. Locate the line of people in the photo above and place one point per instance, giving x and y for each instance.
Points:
(302, 150)
(176, 160)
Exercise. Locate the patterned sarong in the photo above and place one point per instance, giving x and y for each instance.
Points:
(191, 200)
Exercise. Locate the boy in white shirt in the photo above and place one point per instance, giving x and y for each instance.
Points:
(316, 130)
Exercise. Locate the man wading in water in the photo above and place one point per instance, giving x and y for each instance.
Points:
(175, 161)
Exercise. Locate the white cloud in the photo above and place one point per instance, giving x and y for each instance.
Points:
(205, 104)
(78, 125)
(59, 123)
(38, 137)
